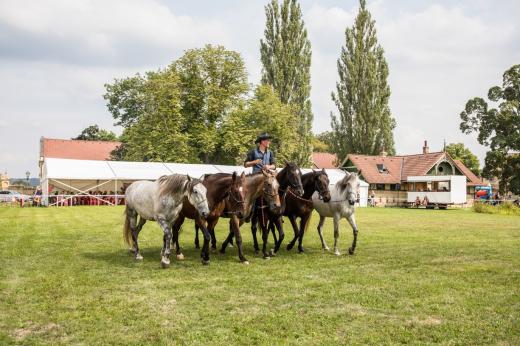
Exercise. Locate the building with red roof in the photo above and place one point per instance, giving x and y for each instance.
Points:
(387, 175)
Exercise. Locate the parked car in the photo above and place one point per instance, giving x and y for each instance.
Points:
(10, 196)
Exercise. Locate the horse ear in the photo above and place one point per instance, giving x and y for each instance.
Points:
(234, 176)
(243, 175)
(189, 178)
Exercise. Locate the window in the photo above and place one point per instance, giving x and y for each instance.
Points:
(380, 186)
(393, 187)
(4, 192)
(381, 168)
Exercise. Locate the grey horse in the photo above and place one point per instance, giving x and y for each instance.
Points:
(343, 195)
(161, 201)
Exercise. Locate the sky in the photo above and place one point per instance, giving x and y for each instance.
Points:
(56, 56)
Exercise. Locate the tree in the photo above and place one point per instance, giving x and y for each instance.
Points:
(212, 81)
(176, 114)
(285, 53)
(263, 112)
(322, 142)
(155, 134)
(499, 128)
(364, 123)
(94, 133)
(458, 151)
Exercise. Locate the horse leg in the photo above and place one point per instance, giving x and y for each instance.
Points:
(265, 237)
(138, 229)
(271, 228)
(204, 254)
(320, 233)
(234, 223)
(281, 234)
(336, 234)
(175, 236)
(211, 229)
(197, 244)
(132, 220)
(254, 222)
(165, 253)
(352, 221)
(228, 239)
(292, 218)
(303, 225)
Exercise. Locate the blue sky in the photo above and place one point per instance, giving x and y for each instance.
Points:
(56, 55)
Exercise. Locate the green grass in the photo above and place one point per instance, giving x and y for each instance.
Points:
(418, 277)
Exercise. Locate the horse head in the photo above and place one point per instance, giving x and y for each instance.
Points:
(237, 194)
(270, 190)
(291, 176)
(321, 184)
(350, 186)
(196, 193)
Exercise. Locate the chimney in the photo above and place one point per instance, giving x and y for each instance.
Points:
(425, 149)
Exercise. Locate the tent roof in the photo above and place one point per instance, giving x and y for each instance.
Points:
(124, 170)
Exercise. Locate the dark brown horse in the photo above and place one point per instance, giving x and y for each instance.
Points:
(302, 206)
(288, 177)
(223, 190)
(261, 184)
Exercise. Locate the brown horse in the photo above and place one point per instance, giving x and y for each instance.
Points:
(261, 184)
(302, 206)
(288, 177)
(223, 191)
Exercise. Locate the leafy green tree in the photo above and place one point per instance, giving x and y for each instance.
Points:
(364, 123)
(212, 81)
(176, 114)
(94, 133)
(286, 60)
(322, 142)
(458, 151)
(125, 99)
(156, 133)
(499, 128)
(263, 112)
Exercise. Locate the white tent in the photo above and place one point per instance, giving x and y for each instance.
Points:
(83, 176)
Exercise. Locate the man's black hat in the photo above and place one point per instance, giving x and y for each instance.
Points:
(261, 137)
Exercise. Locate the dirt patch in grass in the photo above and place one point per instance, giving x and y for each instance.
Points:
(36, 329)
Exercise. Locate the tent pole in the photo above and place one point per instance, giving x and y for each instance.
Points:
(115, 193)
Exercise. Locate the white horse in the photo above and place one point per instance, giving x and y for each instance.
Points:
(161, 200)
(343, 195)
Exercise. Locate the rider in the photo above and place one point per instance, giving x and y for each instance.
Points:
(261, 157)
(258, 158)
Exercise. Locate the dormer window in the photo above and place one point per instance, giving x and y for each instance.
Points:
(381, 168)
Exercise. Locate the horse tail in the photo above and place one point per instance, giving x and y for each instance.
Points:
(127, 232)
(308, 223)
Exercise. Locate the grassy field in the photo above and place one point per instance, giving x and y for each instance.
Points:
(418, 277)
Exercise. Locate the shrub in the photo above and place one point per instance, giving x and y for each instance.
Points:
(506, 208)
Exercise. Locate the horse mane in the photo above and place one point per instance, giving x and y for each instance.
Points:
(174, 184)
(343, 183)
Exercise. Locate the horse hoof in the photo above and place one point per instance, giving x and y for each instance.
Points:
(197, 246)
(337, 253)
(257, 251)
(230, 245)
(245, 263)
(180, 257)
(205, 262)
(165, 263)
(139, 257)
(266, 257)
(272, 253)
(301, 250)
(289, 247)
(350, 251)
(326, 248)
(131, 251)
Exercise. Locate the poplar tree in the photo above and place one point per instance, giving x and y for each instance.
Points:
(286, 60)
(364, 123)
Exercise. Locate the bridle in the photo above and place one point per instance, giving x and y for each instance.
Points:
(317, 188)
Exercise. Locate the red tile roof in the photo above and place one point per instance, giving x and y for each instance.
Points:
(324, 160)
(420, 164)
(398, 168)
(473, 179)
(367, 166)
(76, 149)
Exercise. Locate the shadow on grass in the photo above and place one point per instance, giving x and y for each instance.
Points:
(124, 258)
